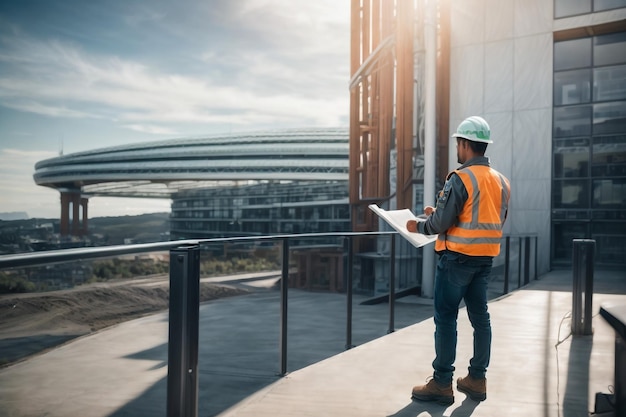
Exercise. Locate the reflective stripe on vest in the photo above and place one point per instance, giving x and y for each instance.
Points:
(479, 228)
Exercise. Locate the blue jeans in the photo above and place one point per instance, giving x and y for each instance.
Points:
(460, 277)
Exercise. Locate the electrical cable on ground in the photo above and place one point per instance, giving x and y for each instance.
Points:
(556, 347)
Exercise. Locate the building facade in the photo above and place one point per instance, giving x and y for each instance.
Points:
(550, 77)
(267, 208)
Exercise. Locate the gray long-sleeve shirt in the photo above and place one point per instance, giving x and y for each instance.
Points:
(450, 202)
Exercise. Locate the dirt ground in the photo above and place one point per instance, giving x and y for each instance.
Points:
(34, 322)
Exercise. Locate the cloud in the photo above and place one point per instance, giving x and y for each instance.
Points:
(292, 73)
(155, 130)
(19, 191)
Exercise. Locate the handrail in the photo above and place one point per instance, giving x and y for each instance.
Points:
(73, 254)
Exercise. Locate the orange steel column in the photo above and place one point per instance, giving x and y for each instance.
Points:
(443, 89)
(355, 116)
(404, 103)
(381, 62)
(385, 95)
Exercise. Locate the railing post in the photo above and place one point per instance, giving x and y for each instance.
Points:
(349, 283)
(392, 284)
(582, 263)
(526, 260)
(536, 244)
(284, 287)
(507, 262)
(519, 262)
(184, 318)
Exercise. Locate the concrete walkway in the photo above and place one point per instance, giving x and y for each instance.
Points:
(122, 371)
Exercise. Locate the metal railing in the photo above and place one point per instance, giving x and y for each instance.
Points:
(184, 279)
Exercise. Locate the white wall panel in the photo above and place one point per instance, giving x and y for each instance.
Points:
(532, 144)
(533, 17)
(468, 22)
(466, 85)
(500, 152)
(499, 20)
(532, 74)
(499, 76)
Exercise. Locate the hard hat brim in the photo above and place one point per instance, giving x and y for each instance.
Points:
(458, 135)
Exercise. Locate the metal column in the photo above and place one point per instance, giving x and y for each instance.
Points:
(582, 264)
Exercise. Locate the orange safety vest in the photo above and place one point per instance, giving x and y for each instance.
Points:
(478, 230)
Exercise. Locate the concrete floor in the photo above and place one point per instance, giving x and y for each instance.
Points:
(536, 369)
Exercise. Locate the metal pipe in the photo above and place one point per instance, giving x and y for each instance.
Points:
(284, 285)
(392, 284)
(184, 319)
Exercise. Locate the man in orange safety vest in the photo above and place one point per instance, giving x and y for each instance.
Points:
(468, 219)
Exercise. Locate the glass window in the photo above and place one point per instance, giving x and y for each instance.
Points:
(571, 158)
(609, 156)
(609, 237)
(609, 193)
(572, 54)
(572, 87)
(564, 8)
(609, 49)
(609, 118)
(563, 235)
(570, 214)
(572, 121)
(609, 83)
(599, 5)
(571, 194)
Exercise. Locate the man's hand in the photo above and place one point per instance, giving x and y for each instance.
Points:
(428, 210)
(411, 226)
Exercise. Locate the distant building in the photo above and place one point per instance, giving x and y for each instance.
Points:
(263, 183)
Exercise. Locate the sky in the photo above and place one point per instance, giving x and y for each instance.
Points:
(80, 75)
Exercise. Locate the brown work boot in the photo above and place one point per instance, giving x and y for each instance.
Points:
(474, 388)
(432, 391)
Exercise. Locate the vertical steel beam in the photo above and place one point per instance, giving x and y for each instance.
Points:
(405, 16)
(443, 88)
(184, 313)
(355, 136)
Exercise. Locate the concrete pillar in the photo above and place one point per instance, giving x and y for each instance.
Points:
(85, 226)
(74, 220)
(75, 228)
(65, 214)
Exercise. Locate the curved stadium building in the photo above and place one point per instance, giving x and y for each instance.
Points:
(290, 181)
